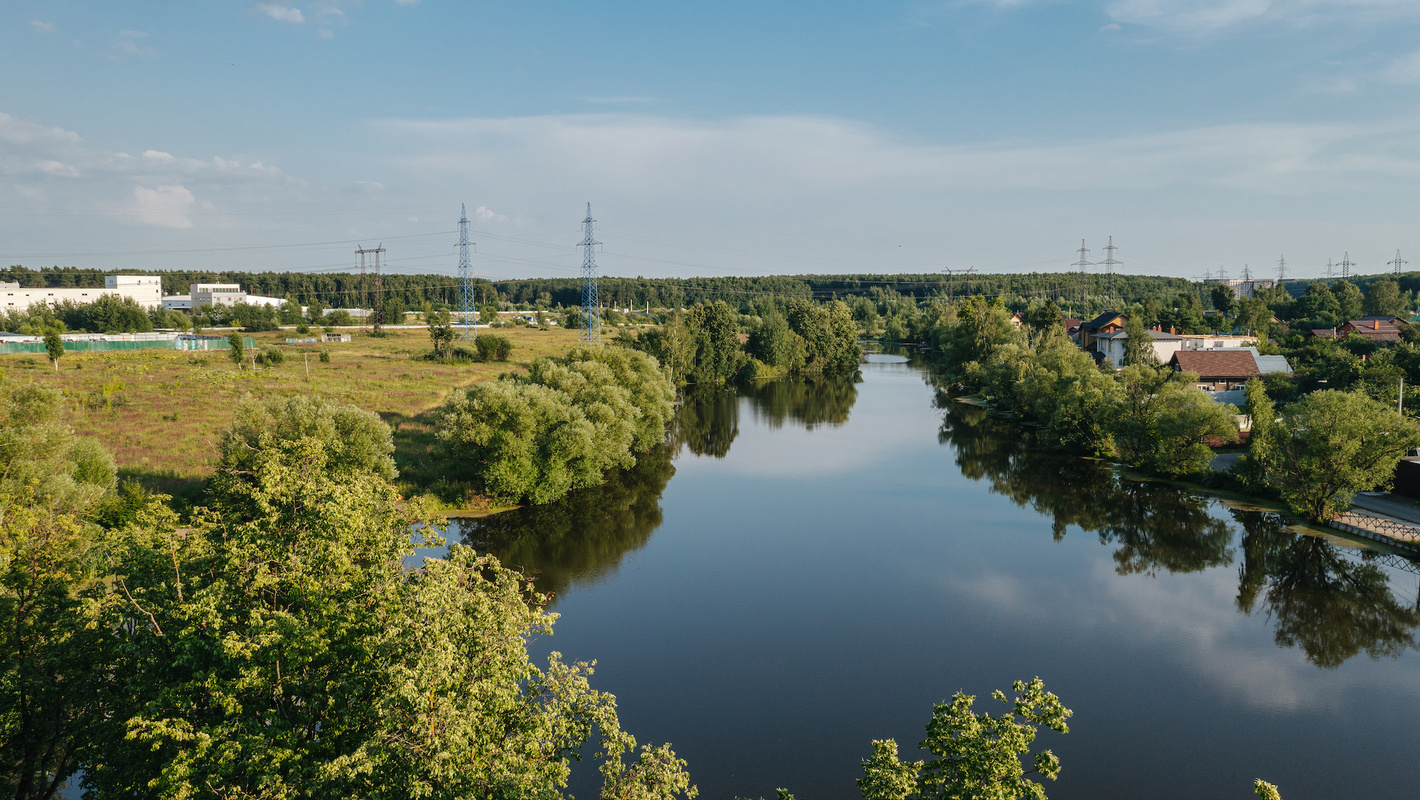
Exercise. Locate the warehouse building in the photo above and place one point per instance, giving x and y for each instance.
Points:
(145, 290)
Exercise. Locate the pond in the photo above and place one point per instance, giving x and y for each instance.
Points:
(809, 566)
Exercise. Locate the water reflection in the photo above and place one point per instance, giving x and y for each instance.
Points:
(1320, 599)
(707, 421)
(1155, 526)
(808, 401)
(585, 535)
(1327, 603)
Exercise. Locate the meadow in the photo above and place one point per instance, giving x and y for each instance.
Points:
(161, 413)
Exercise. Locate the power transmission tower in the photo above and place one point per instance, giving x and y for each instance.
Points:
(1281, 269)
(1109, 261)
(1328, 269)
(1346, 266)
(379, 287)
(466, 301)
(1247, 275)
(952, 280)
(1084, 265)
(1398, 262)
(1207, 275)
(591, 304)
(1222, 273)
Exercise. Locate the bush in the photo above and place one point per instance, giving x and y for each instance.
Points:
(492, 348)
(271, 357)
(260, 325)
(325, 356)
(464, 354)
(339, 318)
(303, 328)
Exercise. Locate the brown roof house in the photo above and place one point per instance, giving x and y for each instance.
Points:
(1375, 329)
(1108, 322)
(1218, 370)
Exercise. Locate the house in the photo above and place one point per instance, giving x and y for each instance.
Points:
(1018, 319)
(1218, 370)
(1113, 345)
(1108, 322)
(1072, 327)
(1398, 322)
(1375, 329)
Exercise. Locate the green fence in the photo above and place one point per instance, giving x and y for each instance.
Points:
(80, 346)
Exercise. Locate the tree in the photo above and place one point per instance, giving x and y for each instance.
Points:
(54, 346)
(1262, 438)
(1383, 299)
(977, 755)
(294, 652)
(1163, 423)
(1332, 444)
(53, 674)
(715, 331)
(1138, 344)
(236, 350)
(441, 332)
(1348, 298)
(775, 344)
(1222, 296)
(487, 314)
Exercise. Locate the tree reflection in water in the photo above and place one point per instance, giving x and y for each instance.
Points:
(809, 401)
(583, 536)
(707, 421)
(1155, 526)
(1321, 599)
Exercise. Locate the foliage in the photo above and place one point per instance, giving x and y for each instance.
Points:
(492, 348)
(560, 428)
(107, 314)
(1162, 423)
(715, 332)
(282, 646)
(773, 343)
(830, 337)
(236, 350)
(325, 356)
(1383, 299)
(1139, 345)
(977, 756)
(1330, 445)
(54, 347)
(441, 333)
(52, 674)
(1265, 790)
(488, 314)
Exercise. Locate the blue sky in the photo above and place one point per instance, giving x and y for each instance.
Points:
(711, 138)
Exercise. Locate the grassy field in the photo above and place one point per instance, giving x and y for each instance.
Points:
(162, 412)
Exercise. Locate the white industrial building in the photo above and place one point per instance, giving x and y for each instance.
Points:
(145, 290)
(216, 294)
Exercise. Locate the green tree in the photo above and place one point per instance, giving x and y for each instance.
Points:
(715, 330)
(830, 337)
(236, 349)
(294, 653)
(1262, 438)
(977, 756)
(775, 344)
(1349, 299)
(1383, 299)
(673, 345)
(1223, 297)
(1164, 424)
(1254, 317)
(441, 333)
(54, 346)
(487, 314)
(1332, 444)
(1318, 305)
(1139, 345)
(53, 674)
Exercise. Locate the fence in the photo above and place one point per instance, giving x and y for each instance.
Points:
(130, 342)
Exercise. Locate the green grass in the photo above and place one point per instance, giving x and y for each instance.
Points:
(162, 412)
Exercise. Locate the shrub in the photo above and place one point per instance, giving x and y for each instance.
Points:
(325, 356)
(492, 348)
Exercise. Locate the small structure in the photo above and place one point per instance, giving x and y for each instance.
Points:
(215, 294)
(337, 337)
(1112, 345)
(1375, 329)
(1108, 322)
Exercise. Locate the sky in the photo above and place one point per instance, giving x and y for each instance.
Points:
(730, 138)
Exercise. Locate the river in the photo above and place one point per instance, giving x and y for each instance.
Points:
(810, 566)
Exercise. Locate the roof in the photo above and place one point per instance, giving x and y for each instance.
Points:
(1270, 364)
(1397, 321)
(1102, 320)
(1070, 323)
(1159, 336)
(1325, 333)
(1232, 362)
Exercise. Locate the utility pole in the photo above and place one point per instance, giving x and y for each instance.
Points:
(467, 313)
(1110, 262)
(1346, 266)
(1398, 262)
(591, 305)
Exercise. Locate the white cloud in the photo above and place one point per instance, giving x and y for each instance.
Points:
(21, 131)
(164, 206)
(43, 27)
(1206, 16)
(1113, 26)
(488, 215)
(1405, 69)
(407, 2)
(618, 100)
(129, 44)
(58, 168)
(324, 33)
(282, 13)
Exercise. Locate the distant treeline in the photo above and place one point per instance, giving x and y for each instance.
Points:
(1076, 293)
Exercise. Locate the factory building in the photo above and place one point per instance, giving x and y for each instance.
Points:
(146, 290)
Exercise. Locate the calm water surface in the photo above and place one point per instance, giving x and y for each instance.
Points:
(811, 566)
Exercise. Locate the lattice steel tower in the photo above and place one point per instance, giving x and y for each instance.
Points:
(591, 304)
(466, 302)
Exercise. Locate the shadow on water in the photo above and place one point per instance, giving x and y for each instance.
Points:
(1330, 602)
(582, 537)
